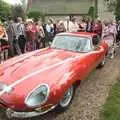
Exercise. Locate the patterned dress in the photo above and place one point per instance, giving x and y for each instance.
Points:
(31, 37)
(109, 36)
(4, 44)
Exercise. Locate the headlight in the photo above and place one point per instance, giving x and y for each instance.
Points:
(2, 86)
(5, 88)
(38, 96)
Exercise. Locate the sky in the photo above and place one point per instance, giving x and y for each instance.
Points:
(13, 2)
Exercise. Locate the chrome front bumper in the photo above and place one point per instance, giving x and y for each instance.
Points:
(12, 114)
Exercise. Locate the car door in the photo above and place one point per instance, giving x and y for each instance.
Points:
(98, 52)
(90, 60)
(85, 64)
(94, 57)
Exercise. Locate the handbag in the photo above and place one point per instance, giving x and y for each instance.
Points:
(4, 42)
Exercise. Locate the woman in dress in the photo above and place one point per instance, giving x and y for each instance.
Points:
(31, 35)
(40, 42)
(109, 36)
(4, 44)
(97, 28)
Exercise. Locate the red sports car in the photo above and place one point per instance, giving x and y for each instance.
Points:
(34, 83)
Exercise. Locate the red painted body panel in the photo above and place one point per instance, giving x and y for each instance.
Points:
(59, 69)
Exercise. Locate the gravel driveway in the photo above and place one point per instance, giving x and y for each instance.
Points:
(89, 97)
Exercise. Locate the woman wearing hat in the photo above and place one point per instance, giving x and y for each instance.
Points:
(4, 44)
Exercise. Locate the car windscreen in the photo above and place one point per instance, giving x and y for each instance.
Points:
(72, 43)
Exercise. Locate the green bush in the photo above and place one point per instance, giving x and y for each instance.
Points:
(114, 6)
(18, 11)
(91, 12)
(117, 10)
(5, 10)
(35, 14)
(111, 109)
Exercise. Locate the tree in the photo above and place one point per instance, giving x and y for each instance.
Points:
(117, 10)
(24, 4)
(111, 5)
(114, 6)
(91, 12)
(36, 14)
(18, 11)
(5, 10)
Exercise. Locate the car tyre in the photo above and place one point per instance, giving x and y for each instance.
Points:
(102, 64)
(66, 99)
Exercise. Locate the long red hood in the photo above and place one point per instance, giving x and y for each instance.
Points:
(30, 63)
(26, 72)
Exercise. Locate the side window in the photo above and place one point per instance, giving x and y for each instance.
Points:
(95, 40)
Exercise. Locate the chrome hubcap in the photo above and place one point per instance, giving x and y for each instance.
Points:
(64, 102)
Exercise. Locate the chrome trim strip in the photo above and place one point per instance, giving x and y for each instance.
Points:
(12, 114)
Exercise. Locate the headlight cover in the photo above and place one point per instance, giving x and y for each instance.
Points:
(2, 86)
(5, 88)
(38, 96)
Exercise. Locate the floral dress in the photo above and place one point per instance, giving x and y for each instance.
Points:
(31, 37)
(108, 36)
(4, 44)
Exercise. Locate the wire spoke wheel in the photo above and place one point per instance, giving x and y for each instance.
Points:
(65, 101)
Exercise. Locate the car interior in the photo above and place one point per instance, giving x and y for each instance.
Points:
(96, 41)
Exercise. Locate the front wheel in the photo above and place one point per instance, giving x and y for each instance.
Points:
(66, 99)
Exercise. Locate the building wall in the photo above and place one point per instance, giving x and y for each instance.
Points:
(71, 7)
(62, 6)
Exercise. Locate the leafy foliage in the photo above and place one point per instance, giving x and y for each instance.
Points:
(5, 10)
(114, 6)
(18, 11)
(117, 10)
(111, 5)
(24, 4)
(111, 109)
(91, 12)
(35, 14)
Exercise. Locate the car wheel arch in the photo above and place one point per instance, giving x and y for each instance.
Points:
(73, 84)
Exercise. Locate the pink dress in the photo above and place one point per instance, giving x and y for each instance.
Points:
(31, 37)
(108, 35)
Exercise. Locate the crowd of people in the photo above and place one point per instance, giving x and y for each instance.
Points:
(25, 36)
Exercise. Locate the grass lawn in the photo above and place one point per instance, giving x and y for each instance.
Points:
(111, 109)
